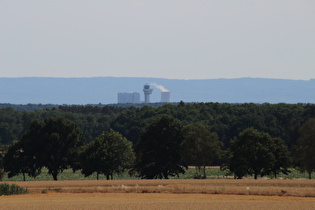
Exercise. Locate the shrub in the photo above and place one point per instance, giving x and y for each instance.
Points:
(2, 173)
(6, 189)
(51, 189)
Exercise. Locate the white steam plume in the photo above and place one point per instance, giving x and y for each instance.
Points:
(160, 87)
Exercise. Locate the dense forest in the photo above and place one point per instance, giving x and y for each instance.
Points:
(227, 120)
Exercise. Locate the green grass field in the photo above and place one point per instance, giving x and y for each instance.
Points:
(191, 173)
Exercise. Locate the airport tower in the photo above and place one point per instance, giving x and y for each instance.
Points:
(147, 91)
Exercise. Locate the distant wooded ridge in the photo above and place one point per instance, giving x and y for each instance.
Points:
(104, 90)
(33, 107)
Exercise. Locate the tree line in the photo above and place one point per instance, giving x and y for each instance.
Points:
(227, 120)
(245, 139)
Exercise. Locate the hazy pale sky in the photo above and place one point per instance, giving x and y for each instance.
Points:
(175, 39)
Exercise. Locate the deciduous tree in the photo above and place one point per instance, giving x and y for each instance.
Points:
(15, 161)
(53, 144)
(158, 151)
(283, 160)
(109, 153)
(200, 146)
(305, 148)
(251, 154)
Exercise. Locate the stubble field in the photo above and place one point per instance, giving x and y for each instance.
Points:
(164, 194)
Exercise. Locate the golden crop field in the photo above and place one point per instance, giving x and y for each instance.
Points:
(164, 194)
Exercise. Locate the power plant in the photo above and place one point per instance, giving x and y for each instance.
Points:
(147, 91)
(134, 97)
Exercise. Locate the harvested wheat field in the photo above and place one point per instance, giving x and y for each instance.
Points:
(164, 194)
(151, 201)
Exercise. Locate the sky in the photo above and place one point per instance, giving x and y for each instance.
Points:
(173, 39)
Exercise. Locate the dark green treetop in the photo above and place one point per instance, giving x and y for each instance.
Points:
(200, 146)
(257, 153)
(158, 151)
(107, 154)
(15, 161)
(52, 143)
(282, 155)
(304, 150)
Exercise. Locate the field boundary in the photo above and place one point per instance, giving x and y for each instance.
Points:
(297, 188)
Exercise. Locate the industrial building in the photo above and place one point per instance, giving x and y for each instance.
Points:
(124, 98)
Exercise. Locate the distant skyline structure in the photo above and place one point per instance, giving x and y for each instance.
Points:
(125, 98)
(147, 91)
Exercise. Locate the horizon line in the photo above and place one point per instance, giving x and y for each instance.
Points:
(91, 77)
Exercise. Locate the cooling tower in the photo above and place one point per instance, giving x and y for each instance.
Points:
(166, 97)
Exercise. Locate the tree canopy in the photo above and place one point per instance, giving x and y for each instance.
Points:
(282, 157)
(51, 143)
(199, 146)
(15, 161)
(107, 154)
(305, 148)
(226, 120)
(158, 152)
(257, 153)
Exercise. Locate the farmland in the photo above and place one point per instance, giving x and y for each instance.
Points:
(187, 190)
(267, 187)
(152, 201)
(162, 194)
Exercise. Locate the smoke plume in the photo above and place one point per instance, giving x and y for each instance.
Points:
(160, 87)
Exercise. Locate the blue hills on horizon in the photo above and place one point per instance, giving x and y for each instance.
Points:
(104, 90)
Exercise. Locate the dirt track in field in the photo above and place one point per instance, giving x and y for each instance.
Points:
(164, 194)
